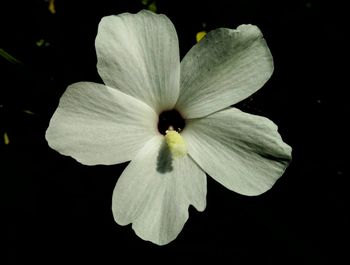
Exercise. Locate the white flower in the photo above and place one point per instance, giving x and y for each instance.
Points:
(148, 95)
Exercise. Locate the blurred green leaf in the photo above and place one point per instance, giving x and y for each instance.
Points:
(8, 57)
(40, 42)
(51, 7)
(151, 5)
(6, 138)
(28, 112)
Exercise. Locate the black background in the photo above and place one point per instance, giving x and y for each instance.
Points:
(57, 211)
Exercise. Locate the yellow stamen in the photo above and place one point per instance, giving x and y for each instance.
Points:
(176, 143)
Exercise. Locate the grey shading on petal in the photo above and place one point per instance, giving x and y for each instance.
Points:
(96, 124)
(157, 203)
(164, 159)
(139, 55)
(243, 152)
(224, 68)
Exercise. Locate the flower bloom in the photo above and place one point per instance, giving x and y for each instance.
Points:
(173, 120)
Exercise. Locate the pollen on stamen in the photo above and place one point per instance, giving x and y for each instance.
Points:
(176, 143)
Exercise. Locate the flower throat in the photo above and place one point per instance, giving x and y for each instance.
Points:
(170, 119)
(170, 124)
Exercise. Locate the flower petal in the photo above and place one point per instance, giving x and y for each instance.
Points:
(224, 68)
(139, 55)
(96, 124)
(154, 194)
(243, 152)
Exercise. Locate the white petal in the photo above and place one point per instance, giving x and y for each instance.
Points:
(139, 54)
(96, 124)
(154, 193)
(224, 68)
(243, 152)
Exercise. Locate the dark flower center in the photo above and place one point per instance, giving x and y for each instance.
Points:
(170, 118)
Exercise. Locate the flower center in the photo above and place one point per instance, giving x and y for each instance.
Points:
(170, 119)
(170, 124)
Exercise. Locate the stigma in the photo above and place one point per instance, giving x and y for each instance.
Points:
(176, 143)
